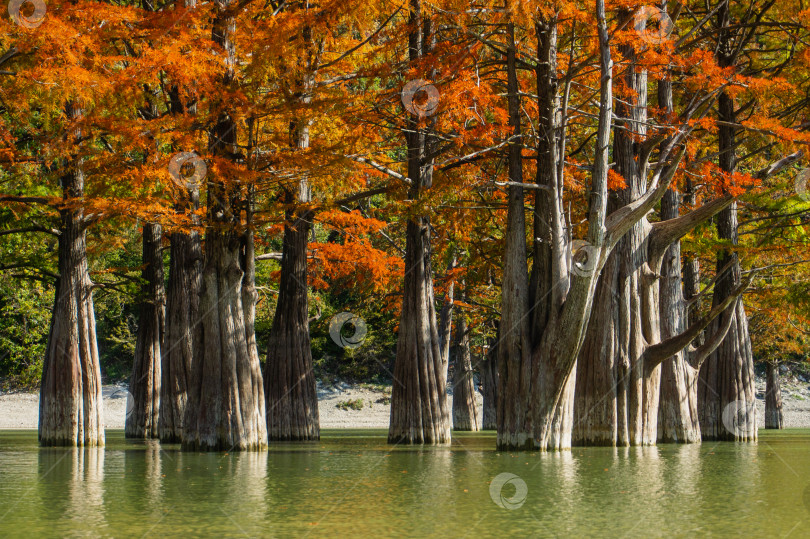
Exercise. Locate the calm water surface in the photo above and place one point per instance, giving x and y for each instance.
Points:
(353, 484)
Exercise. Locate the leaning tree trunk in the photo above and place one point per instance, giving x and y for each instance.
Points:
(773, 398)
(70, 405)
(465, 409)
(226, 408)
(419, 411)
(144, 384)
(181, 340)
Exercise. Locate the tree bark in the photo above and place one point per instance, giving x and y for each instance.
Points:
(226, 407)
(144, 385)
(183, 331)
(292, 401)
(773, 398)
(727, 377)
(488, 369)
(70, 404)
(419, 409)
(465, 409)
(290, 389)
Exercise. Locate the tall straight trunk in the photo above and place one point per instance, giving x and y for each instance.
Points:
(677, 412)
(419, 408)
(465, 409)
(144, 384)
(226, 408)
(183, 329)
(182, 338)
(617, 396)
(70, 405)
(488, 369)
(773, 398)
(290, 390)
(727, 377)
(292, 401)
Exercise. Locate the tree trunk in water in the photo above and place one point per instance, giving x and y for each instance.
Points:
(617, 394)
(488, 369)
(292, 401)
(773, 398)
(465, 410)
(144, 385)
(419, 409)
(182, 339)
(727, 377)
(290, 390)
(70, 404)
(226, 408)
(677, 412)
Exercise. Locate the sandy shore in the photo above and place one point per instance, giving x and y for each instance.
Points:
(20, 410)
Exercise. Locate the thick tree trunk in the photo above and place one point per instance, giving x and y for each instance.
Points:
(773, 398)
(419, 411)
(488, 369)
(617, 394)
(290, 390)
(292, 401)
(677, 414)
(419, 408)
(70, 405)
(465, 409)
(144, 385)
(226, 407)
(727, 377)
(183, 332)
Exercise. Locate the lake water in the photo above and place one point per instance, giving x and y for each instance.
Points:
(353, 484)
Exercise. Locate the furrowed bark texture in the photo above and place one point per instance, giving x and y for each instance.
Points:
(226, 408)
(419, 408)
(488, 368)
(144, 385)
(465, 410)
(70, 405)
(773, 398)
(727, 376)
(183, 331)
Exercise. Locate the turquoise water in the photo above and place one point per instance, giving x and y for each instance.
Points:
(353, 484)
